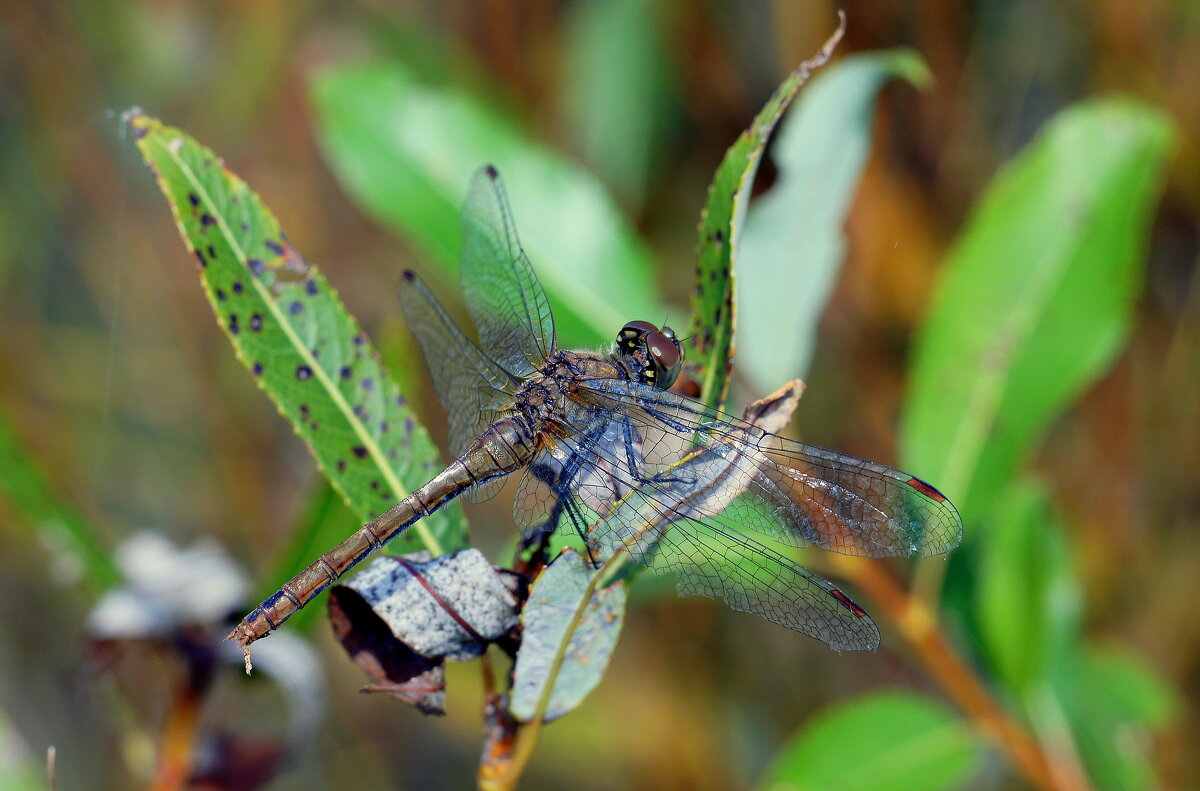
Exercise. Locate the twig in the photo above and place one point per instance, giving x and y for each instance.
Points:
(51, 768)
(918, 625)
(528, 735)
(176, 754)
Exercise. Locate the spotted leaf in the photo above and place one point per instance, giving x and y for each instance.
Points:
(293, 333)
(721, 223)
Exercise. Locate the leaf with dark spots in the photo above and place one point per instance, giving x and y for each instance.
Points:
(720, 226)
(290, 311)
(567, 640)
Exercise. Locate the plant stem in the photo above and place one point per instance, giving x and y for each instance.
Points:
(176, 754)
(528, 735)
(917, 623)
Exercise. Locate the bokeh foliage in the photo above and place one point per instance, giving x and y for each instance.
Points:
(1072, 593)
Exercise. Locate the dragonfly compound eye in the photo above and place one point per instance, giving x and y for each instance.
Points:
(632, 335)
(664, 358)
(656, 354)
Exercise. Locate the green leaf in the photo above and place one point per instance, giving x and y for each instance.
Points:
(20, 770)
(613, 92)
(721, 221)
(792, 245)
(289, 328)
(1028, 597)
(568, 638)
(31, 497)
(894, 741)
(1036, 297)
(406, 153)
(1113, 701)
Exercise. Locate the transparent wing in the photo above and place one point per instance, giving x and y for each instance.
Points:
(584, 465)
(710, 558)
(503, 295)
(657, 517)
(794, 493)
(473, 388)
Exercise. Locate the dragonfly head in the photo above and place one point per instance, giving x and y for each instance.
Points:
(654, 354)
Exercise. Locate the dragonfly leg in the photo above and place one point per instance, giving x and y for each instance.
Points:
(633, 466)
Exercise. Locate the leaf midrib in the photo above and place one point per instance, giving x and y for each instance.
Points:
(962, 456)
(373, 449)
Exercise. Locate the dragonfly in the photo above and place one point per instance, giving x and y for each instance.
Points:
(608, 451)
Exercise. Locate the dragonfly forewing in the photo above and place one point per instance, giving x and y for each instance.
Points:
(802, 495)
(503, 294)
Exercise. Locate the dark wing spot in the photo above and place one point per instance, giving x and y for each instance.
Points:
(926, 489)
(848, 603)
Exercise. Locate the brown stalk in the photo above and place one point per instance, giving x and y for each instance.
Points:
(918, 624)
(176, 754)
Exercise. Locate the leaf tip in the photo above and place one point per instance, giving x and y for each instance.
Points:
(138, 122)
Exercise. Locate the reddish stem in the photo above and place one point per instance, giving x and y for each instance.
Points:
(918, 624)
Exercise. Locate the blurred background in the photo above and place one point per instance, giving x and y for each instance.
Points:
(122, 410)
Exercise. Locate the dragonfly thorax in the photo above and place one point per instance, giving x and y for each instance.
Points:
(654, 355)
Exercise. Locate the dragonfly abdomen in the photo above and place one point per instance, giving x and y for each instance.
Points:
(507, 445)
